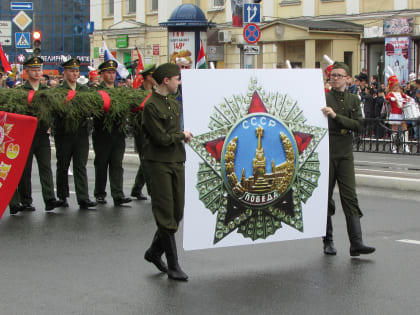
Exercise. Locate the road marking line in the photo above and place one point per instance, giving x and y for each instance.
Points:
(383, 171)
(384, 163)
(409, 242)
(388, 177)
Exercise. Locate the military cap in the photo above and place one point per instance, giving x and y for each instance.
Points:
(34, 62)
(72, 63)
(148, 69)
(167, 70)
(108, 65)
(1, 70)
(341, 65)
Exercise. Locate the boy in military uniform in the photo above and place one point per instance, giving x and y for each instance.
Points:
(109, 147)
(41, 148)
(344, 116)
(147, 85)
(72, 145)
(164, 157)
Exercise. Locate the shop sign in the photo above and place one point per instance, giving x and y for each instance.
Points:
(58, 59)
(122, 41)
(181, 45)
(251, 50)
(398, 26)
(397, 56)
(216, 53)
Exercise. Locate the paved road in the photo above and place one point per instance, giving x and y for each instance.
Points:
(91, 262)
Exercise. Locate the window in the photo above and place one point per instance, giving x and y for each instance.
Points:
(218, 3)
(290, 2)
(153, 5)
(130, 6)
(110, 11)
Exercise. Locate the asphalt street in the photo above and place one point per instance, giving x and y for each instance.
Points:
(75, 261)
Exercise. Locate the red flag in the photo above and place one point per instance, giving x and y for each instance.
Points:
(4, 62)
(138, 79)
(16, 134)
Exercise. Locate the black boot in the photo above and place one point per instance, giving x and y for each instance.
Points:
(329, 248)
(354, 231)
(155, 252)
(169, 245)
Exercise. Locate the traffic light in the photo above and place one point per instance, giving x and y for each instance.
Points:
(36, 43)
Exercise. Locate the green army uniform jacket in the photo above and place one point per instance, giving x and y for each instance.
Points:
(163, 139)
(42, 127)
(348, 119)
(59, 125)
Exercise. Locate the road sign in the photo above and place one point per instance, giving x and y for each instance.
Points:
(252, 33)
(22, 40)
(22, 20)
(6, 33)
(251, 50)
(21, 6)
(252, 13)
(21, 58)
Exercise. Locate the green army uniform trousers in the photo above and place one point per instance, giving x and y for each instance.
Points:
(15, 199)
(41, 148)
(342, 173)
(109, 153)
(140, 176)
(167, 188)
(70, 147)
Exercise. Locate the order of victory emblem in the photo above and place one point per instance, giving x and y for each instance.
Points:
(259, 163)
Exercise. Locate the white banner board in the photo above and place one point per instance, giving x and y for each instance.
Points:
(257, 167)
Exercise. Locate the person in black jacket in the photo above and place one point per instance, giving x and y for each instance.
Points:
(369, 110)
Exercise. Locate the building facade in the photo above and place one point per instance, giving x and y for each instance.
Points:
(302, 31)
(63, 25)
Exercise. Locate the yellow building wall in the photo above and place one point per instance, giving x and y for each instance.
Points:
(232, 57)
(107, 23)
(152, 19)
(340, 46)
(289, 33)
(158, 38)
(268, 56)
(289, 10)
(376, 5)
(330, 8)
(414, 4)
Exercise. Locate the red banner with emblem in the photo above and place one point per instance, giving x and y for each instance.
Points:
(16, 135)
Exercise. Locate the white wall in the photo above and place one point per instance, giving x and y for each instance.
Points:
(228, 10)
(96, 13)
(352, 7)
(308, 8)
(141, 11)
(166, 8)
(118, 11)
(400, 4)
(268, 9)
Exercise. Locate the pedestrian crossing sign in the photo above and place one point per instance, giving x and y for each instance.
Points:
(22, 40)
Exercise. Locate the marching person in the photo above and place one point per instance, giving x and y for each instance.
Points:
(164, 158)
(72, 145)
(344, 116)
(109, 147)
(41, 148)
(147, 85)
